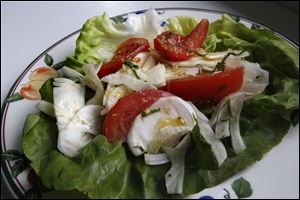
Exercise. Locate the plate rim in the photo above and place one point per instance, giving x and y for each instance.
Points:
(10, 183)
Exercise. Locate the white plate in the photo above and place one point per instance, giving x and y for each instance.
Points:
(275, 176)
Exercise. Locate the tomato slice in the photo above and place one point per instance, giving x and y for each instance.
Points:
(168, 46)
(120, 118)
(126, 50)
(207, 89)
(176, 47)
(196, 38)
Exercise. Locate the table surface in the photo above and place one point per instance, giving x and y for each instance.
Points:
(28, 28)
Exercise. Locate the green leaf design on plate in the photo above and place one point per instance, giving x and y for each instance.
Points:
(13, 98)
(255, 26)
(235, 18)
(242, 188)
(118, 19)
(11, 155)
(227, 195)
(19, 167)
(59, 65)
(48, 60)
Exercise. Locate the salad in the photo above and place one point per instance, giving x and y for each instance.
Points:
(159, 108)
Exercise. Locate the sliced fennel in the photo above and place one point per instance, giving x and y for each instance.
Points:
(175, 176)
(46, 107)
(112, 96)
(131, 82)
(208, 134)
(255, 81)
(156, 159)
(69, 73)
(91, 80)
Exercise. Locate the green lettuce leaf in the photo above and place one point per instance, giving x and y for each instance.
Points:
(39, 137)
(105, 170)
(100, 36)
(182, 24)
(202, 151)
(101, 170)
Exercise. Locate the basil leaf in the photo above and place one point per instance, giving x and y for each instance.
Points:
(11, 155)
(242, 188)
(48, 60)
(19, 167)
(59, 65)
(15, 97)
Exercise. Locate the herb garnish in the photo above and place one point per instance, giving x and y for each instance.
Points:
(130, 64)
(149, 112)
(221, 65)
(133, 67)
(140, 148)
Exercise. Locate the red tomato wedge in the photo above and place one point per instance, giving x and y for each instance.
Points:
(126, 50)
(176, 47)
(207, 89)
(120, 118)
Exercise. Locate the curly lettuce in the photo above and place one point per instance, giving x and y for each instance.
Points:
(101, 35)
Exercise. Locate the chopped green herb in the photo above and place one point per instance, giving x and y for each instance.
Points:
(130, 64)
(135, 73)
(15, 97)
(48, 60)
(149, 112)
(257, 77)
(133, 67)
(242, 188)
(140, 148)
(199, 54)
(221, 65)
